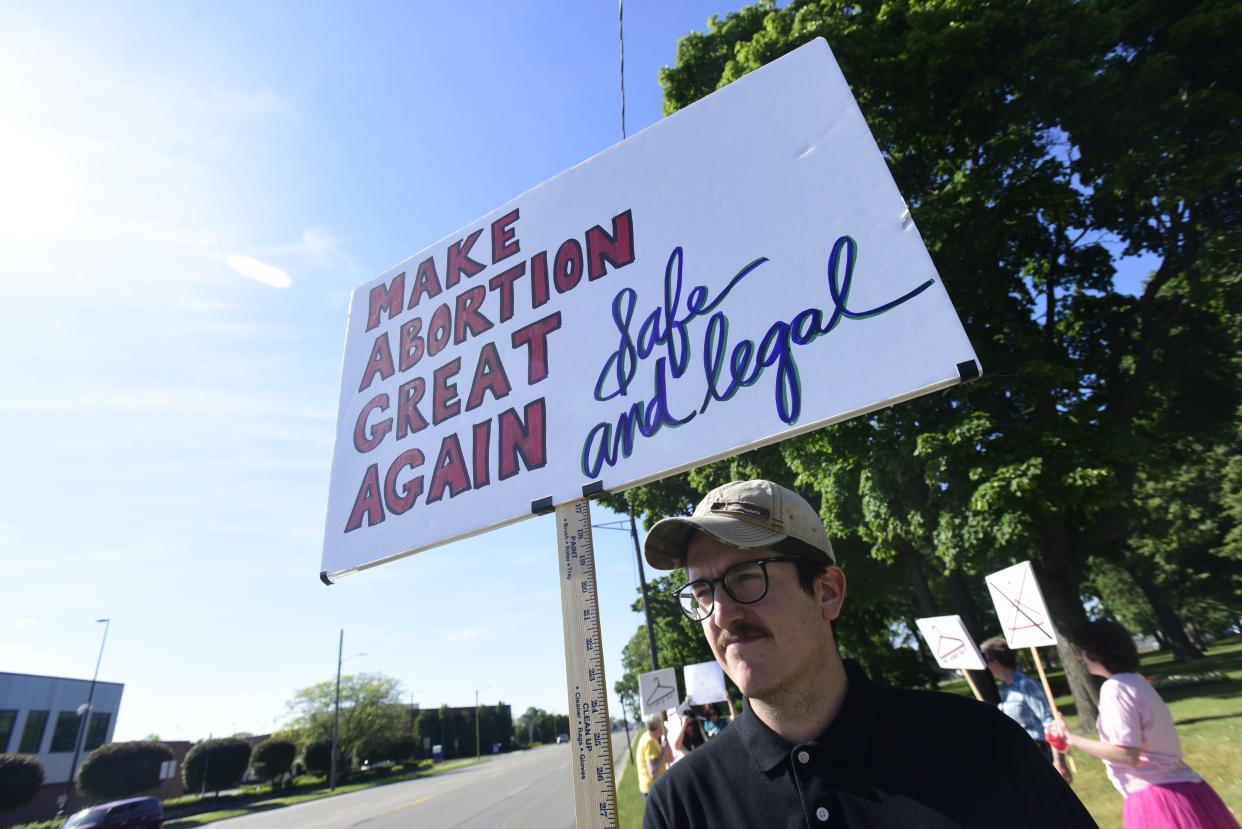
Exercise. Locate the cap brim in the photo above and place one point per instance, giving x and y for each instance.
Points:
(665, 547)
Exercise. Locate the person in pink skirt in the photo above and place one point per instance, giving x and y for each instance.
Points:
(1138, 743)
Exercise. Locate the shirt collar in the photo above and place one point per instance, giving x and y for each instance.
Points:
(847, 736)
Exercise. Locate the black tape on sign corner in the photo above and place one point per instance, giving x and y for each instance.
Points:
(543, 506)
(592, 489)
(967, 371)
(323, 577)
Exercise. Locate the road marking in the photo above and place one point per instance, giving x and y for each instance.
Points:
(518, 790)
(400, 808)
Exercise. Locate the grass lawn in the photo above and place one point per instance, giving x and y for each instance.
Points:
(1208, 718)
(629, 799)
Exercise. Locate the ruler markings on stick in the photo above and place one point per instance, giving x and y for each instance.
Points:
(590, 767)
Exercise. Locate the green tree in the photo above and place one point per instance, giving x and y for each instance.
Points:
(213, 765)
(119, 770)
(1008, 130)
(371, 712)
(21, 775)
(273, 758)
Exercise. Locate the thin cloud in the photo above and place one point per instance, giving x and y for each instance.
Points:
(464, 634)
(252, 268)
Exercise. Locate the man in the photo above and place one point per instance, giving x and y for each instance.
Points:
(1022, 699)
(653, 753)
(818, 744)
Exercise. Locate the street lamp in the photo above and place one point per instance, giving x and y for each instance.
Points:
(336, 713)
(476, 721)
(84, 712)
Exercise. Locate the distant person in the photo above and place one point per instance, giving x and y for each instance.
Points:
(691, 735)
(1139, 744)
(1022, 699)
(653, 755)
(817, 743)
(712, 723)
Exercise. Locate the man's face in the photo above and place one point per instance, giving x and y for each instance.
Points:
(767, 646)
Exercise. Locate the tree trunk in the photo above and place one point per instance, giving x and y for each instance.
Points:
(964, 606)
(1174, 633)
(913, 562)
(1060, 591)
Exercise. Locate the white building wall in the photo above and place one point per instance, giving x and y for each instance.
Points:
(25, 693)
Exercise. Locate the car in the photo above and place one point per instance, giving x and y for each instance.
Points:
(135, 813)
(562, 738)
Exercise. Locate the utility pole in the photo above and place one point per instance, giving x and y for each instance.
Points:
(85, 714)
(642, 580)
(336, 712)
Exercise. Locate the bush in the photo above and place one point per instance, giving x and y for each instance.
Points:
(21, 775)
(120, 770)
(273, 758)
(213, 765)
(318, 757)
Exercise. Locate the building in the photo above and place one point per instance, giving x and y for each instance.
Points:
(39, 715)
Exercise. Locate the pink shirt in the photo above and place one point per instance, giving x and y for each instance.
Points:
(1132, 714)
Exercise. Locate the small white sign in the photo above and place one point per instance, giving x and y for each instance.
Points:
(1020, 606)
(705, 683)
(657, 690)
(950, 643)
(738, 273)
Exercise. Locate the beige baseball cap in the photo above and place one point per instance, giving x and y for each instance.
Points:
(745, 515)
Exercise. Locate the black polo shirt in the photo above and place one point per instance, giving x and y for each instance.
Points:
(891, 757)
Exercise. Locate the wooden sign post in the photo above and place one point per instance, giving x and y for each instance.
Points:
(590, 740)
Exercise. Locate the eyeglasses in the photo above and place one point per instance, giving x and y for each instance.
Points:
(746, 583)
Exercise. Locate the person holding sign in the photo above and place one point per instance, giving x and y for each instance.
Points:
(1022, 699)
(818, 743)
(1138, 742)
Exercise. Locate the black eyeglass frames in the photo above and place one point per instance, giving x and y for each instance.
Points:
(746, 582)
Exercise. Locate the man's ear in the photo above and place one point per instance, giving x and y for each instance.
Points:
(830, 589)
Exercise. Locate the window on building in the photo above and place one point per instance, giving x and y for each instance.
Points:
(66, 733)
(97, 731)
(7, 720)
(32, 734)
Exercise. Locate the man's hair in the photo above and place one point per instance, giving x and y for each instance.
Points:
(808, 573)
(997, 650)
(1109, 644)
(654, 721)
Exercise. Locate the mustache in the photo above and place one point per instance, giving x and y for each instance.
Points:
(741, 630)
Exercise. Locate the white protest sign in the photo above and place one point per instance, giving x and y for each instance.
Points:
(740, 272)
(704, 683)
(1020, 606)
(950, 643)
(657, 691)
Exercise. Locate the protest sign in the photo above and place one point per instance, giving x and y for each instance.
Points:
(657, 691)
(705, 683)
(950, 643)
(738, 273)
(1020, 606)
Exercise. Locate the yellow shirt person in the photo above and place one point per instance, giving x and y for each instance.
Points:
(653, 754)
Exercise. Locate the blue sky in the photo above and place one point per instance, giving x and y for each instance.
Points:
(190, 193)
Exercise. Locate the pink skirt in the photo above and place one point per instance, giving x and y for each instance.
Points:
(1177, 806)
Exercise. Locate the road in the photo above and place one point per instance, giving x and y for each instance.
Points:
(518, 790)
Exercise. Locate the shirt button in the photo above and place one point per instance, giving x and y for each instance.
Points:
(821, 813)
(804, 758)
